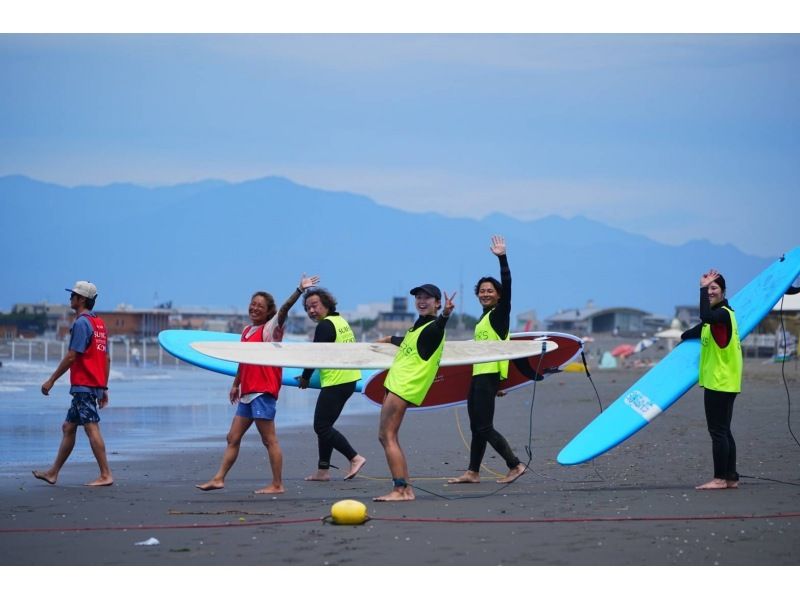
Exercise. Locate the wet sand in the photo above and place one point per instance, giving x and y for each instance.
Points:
(636, 505)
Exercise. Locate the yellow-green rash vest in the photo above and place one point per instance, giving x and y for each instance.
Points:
(485, 332)
(721, 368)
(344, 334)
(410, 376)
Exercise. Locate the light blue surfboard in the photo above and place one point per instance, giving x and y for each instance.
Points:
(178, 344)
(674, 375)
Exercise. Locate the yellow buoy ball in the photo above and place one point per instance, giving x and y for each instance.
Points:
(349, 512)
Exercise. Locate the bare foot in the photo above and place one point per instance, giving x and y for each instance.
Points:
(401, 493)
(271, 489)
(42, 475)
(322, 475)
(512, 474)
(210, 485)
(470, 477)
(106, 480)
(732, 484)
(715, 484)
(355, 466)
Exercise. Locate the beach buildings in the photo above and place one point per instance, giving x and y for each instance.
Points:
(397, 321)
(618, 321)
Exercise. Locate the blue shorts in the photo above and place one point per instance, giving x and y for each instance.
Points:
(262, 407)
(83, 409)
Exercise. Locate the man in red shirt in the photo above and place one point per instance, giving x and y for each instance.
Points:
(88, 363)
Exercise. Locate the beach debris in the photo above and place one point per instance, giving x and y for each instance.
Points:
(148, 542)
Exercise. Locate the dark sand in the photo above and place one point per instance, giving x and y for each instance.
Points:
(634, 506)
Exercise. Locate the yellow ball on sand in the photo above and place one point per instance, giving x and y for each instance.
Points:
(349, 512)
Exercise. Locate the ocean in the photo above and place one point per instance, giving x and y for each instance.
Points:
(151, 410)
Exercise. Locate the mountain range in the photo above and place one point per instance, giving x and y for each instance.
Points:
(213, 243)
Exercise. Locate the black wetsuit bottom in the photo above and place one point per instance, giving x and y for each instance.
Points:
(480, 406)
(330, 402)
(719, 413)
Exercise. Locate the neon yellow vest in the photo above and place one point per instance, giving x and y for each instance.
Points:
(410, 376)
(343, 335)
(721, 369)
(485, 332)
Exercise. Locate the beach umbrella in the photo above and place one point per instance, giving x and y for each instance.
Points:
(623, 350)
(672, 335)
(644, 344)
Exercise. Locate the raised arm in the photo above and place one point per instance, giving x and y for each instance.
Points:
(499, 249)
(429, 340)
(501, 315)
(306, 282)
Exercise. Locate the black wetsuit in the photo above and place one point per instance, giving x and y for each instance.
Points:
(484, 387)
(430, 338)
(330, 403)
(718, 404)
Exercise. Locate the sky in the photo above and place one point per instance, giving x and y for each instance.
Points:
(674, 136)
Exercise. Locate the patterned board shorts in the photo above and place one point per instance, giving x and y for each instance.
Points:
(83, 409)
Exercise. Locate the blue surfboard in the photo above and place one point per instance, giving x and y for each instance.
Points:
(178, 344)
(674, 375)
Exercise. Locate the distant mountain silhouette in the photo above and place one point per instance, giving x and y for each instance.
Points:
(214, 243)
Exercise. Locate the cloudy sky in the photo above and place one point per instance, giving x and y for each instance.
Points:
(676, 137)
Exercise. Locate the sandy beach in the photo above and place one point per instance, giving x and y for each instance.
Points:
(636, 505)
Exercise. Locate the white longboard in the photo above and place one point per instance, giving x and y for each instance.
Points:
(368, 356)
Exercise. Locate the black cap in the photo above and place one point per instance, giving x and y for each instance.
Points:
(431, 289)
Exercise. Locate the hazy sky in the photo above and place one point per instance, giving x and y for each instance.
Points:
(676, 137)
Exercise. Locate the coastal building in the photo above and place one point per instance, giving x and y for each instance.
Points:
(126, 322)
(527, 321)
(367, 311)
(397, 321)
(8, 331)
(788, 311)
(618, 321)
(53, 313)
(781, 326)
(689, 315)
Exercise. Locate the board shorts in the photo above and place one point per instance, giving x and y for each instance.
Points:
(261, 407)
(83, 409)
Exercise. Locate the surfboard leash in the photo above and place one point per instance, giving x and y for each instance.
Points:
(527, 450)
(599, 404)
(783, 371)
(600, 478)
(589, 375)
(529, 446)
(791, 291)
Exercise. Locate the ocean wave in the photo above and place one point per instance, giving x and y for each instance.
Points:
(28, 366)
(134, 375)
(8, 388)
